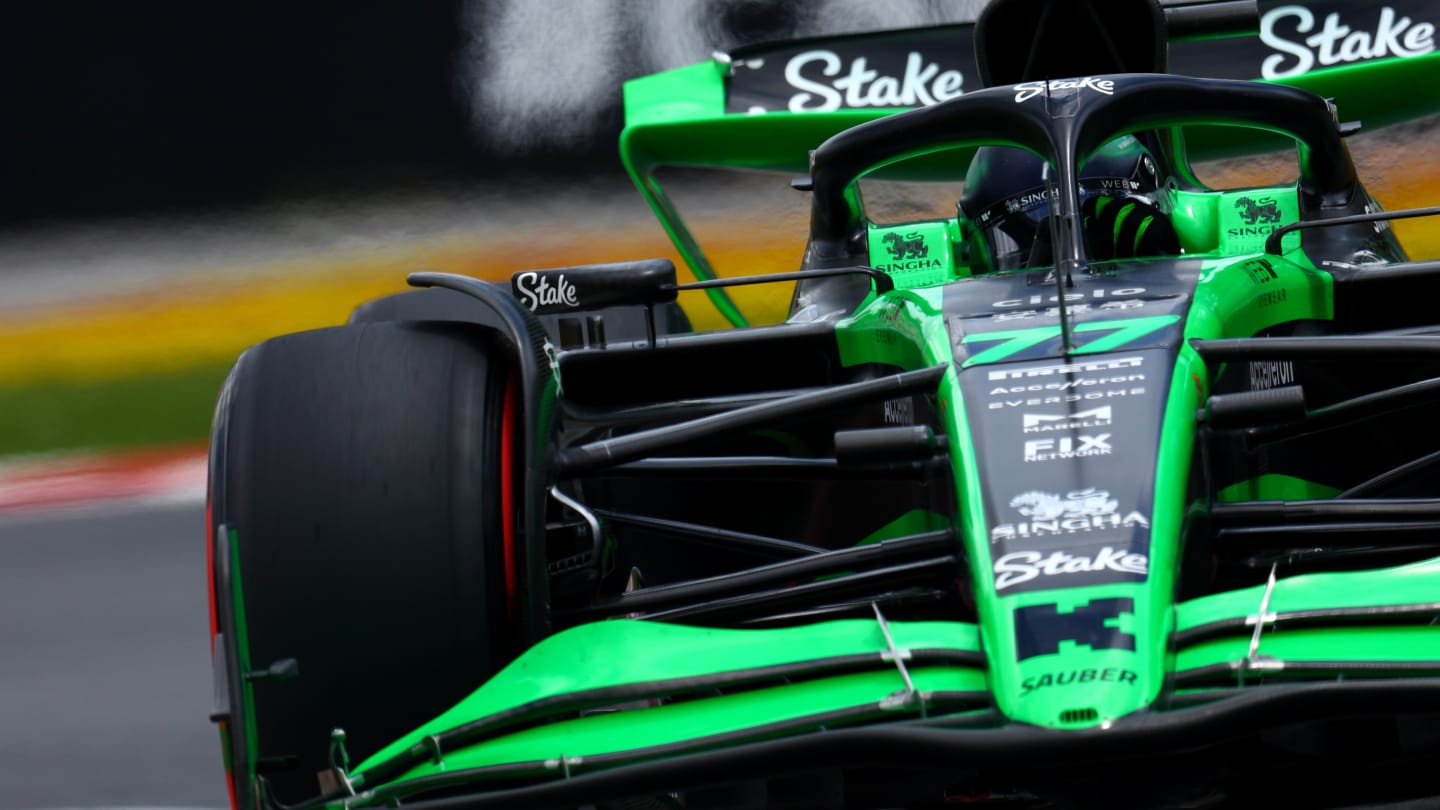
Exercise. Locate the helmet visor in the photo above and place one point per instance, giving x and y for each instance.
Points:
(1015, 231)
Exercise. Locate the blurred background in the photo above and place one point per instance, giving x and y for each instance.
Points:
(180, 180)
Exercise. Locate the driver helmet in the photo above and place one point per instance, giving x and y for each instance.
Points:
(1006, 204)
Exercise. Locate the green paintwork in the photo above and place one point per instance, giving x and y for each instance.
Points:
(926, 253)
(1241, 296)
(916, 521)
(1214, 222)
(1044, 707)
(1414, 584)
(1275, 487)
(609, 654)
(639, 729)
(242, 663)
(903, 329)
(1090, 338)
(1241, 234)
(1301, 645)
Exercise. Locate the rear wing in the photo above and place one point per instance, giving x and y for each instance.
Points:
(767, 106)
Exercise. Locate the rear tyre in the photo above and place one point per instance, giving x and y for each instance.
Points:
(363, 472)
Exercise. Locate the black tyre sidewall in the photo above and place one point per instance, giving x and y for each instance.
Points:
(360, 472)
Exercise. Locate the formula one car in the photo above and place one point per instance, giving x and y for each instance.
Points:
(1110, 489)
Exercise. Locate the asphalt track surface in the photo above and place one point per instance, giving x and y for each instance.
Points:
(105, 683)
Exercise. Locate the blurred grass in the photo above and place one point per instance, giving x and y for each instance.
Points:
(146, 410)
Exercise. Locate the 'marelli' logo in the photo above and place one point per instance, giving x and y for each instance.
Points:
(1045, 422)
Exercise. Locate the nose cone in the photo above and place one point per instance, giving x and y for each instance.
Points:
(1077, 658)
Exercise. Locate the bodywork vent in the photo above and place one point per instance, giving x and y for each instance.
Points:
(1071, 716)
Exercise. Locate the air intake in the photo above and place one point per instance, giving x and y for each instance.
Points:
(1073, 716)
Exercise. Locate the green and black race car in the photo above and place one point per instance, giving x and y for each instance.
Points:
(1110, 489)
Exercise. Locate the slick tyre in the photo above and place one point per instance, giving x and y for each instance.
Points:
(435, 304)
(361, 490)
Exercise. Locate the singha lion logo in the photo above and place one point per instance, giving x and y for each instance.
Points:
(909, 246)
(1261, 210)
(1088, 502)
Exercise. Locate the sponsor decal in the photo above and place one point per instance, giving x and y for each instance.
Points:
(1069, 676)
(1039, 629)
(1045, 422)
(537, 289)
(1269, 298)
(1077, 503)
(899, 412)
(1042, 300)
(907, 252)
(1064, 448)
(1083, 367)
(1261, 216)
(1067, 385)
(1304, 46)
(1380, 225)
(909, 246)
(1025, 202)
(826, 84)
(1079, 511)
(1119, 183)
(1023, 566)
(1066, 399)
(1250, 232)
(1267, 374)
(1261, 271)
(1035, 197)
(1261, 210)
(1028, 90)
(917, 264)
(1054, 312)
(1092, 336)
